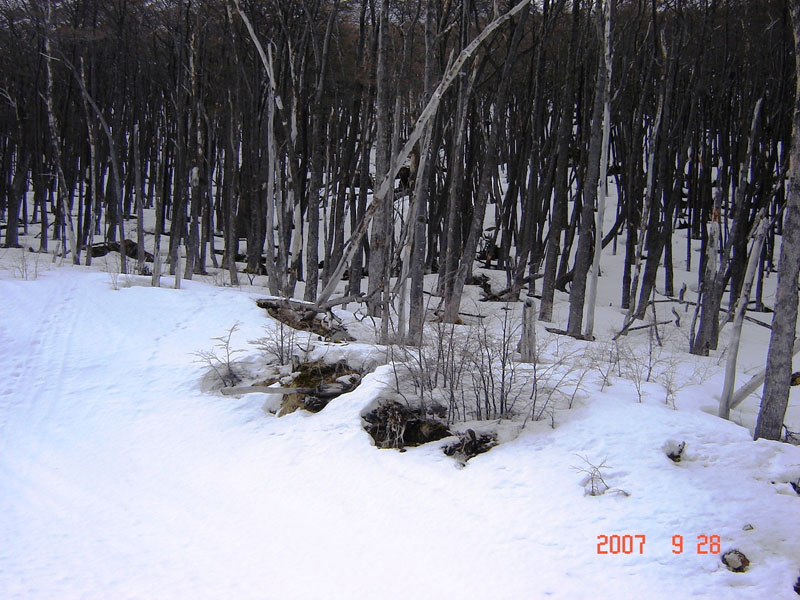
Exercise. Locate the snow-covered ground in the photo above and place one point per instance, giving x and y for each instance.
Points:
(123, 475)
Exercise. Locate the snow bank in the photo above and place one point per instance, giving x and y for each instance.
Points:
(121, 478)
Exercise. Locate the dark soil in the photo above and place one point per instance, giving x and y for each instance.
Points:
(394, 425)
(324, 380)
(736, 561)
(469, 445)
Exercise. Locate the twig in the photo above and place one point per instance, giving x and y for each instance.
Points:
(667, 322)
(252, 389)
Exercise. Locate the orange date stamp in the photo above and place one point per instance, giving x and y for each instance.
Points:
(634, 544)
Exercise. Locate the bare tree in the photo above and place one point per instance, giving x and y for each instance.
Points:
(488, 172)
(609, 8)
(54, 138)
(762, 225)
(428, 113)
(583, 259)
(775, 397)
(558, 221)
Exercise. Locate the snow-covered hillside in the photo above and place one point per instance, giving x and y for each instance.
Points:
(122, 475)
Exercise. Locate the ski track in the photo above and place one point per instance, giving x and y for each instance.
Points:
(120, 478)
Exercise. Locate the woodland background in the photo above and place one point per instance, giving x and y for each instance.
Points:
(108, 108)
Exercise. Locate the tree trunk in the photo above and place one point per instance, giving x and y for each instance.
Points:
(276, 273)
(488, 173)
(583, 258)
(317, 163)
(558, 220)
(137, 176)
(230, 192)
(378, 244)
(739, 311)
(197, 172)
(608, 57)
(15, 192)
(428, 113)
(452, 249)
(54, 139)
(775, 397)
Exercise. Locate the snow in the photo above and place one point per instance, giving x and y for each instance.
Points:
(125, 474)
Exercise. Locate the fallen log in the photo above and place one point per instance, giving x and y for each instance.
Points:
(262, 389)
(325, 391)
(129, 247)
(304, 316)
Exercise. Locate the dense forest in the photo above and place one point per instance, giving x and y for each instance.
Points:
(383, 140)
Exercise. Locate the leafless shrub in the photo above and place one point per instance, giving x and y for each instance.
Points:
(454, 348)
(721, 357)
(220, 359)
(279, 343)
(435, 371)
(677, 376)
(652, 363)
(635, 367)
(113, 266)
(555, 378)
(26, 265)
(655, 350)
(475, 373)
(594, 482)
(604, 358)
(496, 376)
(113, 273)
(362, 316)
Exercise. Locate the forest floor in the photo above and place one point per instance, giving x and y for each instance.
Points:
(124, 473)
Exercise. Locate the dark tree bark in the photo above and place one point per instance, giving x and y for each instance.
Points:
(488, 172)
(775, 397)
(317, 158)
(15, 193)
(558, 221)
(583, 258)
(424, 181)
(379, 244)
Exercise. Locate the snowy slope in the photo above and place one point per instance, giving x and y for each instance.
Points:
(120, 477)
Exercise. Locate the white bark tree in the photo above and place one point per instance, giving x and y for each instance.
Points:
(741, 308)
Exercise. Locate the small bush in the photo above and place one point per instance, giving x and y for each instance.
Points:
(594, 482)
(220, 359)
(279, 343)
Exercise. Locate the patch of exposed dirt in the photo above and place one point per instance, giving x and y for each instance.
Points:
(394, 425)
(318, 383)
(469, 445)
